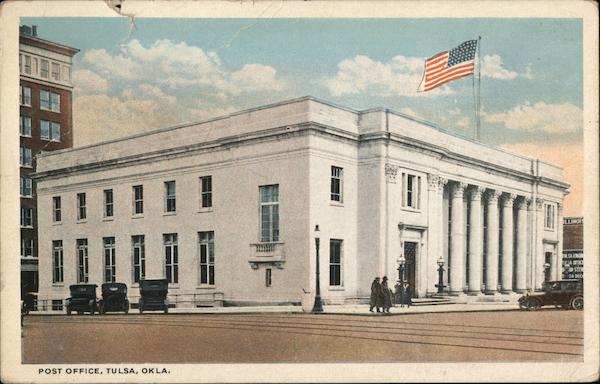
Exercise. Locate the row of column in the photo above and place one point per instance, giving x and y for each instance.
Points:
(475, 255)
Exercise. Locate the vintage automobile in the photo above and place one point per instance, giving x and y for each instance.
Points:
(153, 295)
(114, 298)
(567, 294)
(83, 299)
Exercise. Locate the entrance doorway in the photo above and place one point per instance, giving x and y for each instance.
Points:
(410, 254)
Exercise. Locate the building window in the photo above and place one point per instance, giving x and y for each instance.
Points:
(549, 216)
(207, 258)
(49, 101)
(27, 64)
(138, 199)
(35, 66)
(56, 71)
(139, 258)
(82, 261)
(337, 184)
(170, 196)
(269, 213)
(26, 217)
(171, 258)
(110, 265)
(25, 96)
(56, 209)
(411, 191)
(81, 210)
(25, 126)
(206, 191)
(44, 69)
(27, 247)
(57, 261)
(268, 276)
(66, 73)
(335, 263)
(25, 156)
(49, 130)
(26, 188)
(108, 203)
(57, 305)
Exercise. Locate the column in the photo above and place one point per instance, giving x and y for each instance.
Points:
(538, 270)
(457, 249)
(434, 230)
(557, 271)
(475, 241)
(521, 256)
(491, 281)
(507, 243)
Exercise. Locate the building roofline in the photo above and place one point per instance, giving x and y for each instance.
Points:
(47, 44)
(297, 100)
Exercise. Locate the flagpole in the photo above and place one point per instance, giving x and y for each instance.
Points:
(478, 103)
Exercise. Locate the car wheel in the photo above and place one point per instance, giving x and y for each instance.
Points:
(577, 303)
(533, 305)
(68, 311)
(101, 309)
(523, 304)
(91, 310)
(167, 310)
(80, 312)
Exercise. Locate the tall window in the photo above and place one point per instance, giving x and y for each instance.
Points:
(25, 96)
(269, 213)
(171, 258)
(110, 267)
(56, 209)
(44, 68)
(207, 258)
(27, 64)
(549, 216)
(57, 261)
(26, 247)
(82, 261)
(49, 130)
(56, 71)
(108, 203)
(336, 184)
(206, 191)
(268, 277)
(66, 73)
(170, 196)
(49, 101)
(25, 156)
(26, 217)
(26, 189)
(335, 263)
(25, 126)
(411, 191)
(138, 199)
(139, 258)
(81, 208)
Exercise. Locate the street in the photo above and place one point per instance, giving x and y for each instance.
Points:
(545, 335)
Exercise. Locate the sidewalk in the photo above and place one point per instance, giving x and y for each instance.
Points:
(336, 309)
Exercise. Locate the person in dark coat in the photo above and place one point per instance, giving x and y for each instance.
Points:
(376, 295)
(387, 295)
(406, 295)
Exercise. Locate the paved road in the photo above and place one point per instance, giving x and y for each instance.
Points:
(546, 335)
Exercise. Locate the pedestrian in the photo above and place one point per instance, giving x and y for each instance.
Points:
(387, 295)
(376, 295)
(406, 295)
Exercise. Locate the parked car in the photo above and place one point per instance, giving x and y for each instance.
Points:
(567, 294)
(83, 299)
(153, 295)
(114, 298)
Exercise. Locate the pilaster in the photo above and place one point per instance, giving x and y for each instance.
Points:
(457, 260)
(507, 242)
(475, 241)
(491, 281)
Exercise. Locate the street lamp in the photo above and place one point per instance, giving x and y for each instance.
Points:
(440, 285)
(546, 272)
(402, 262)
(318, 307)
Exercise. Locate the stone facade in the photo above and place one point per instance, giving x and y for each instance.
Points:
(379, 184)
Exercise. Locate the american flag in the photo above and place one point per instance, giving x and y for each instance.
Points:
(449, 65)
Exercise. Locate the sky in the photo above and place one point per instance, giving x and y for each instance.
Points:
(165, 72)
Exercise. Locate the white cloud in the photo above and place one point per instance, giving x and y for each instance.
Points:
(464, 122)
(399, 76)
(492, 66)
(455, 111)
(551, 118)
(86, 81)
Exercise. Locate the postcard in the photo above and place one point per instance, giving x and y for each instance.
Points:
(286, 191)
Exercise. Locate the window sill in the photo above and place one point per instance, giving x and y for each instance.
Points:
(27, 136)
(336, 288)
(336, 203)
(169, 213)
(205, 287)
(549, 229)
(409, 209)
(29, 166)
(27, 226)
(205, 209)
(81, 221)
(25, 105)
(58, 285)
(138, 216)
(57, 223)
(110, 218)
(26, 197)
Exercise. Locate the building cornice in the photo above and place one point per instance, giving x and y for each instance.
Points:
(48, 45)
(46, 83)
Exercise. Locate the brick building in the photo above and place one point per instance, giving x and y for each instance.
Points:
(45, 124)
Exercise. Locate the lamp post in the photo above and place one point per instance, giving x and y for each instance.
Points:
(546, 272)
(402, 262)
(440, 285)
(318, 307)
